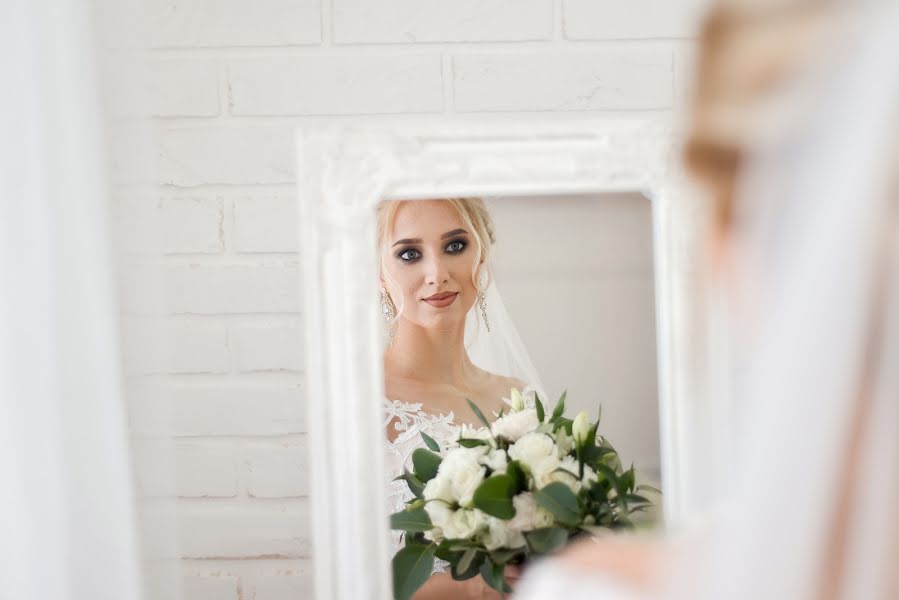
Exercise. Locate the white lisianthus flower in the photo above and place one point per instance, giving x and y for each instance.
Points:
(580, 429)
(495, 460)
(464, 472)
(516, 424)
(475, 433)
(464, 524)
(516, 402)
(590, 475)
(439, 489)
(564, 442)
(532, 448)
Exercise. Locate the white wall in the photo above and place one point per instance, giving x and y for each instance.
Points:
(229, 81)
(576, 274)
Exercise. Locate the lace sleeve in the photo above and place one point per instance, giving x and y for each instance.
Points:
(408, 421)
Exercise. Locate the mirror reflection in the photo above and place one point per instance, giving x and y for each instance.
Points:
(510, 325)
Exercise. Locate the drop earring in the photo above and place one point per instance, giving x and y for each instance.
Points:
(388, 311)
(482, 304)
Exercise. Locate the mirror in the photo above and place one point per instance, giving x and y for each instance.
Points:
(500, 476)
(584, 256)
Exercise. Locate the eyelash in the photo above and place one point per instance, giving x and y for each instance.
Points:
(402, 253)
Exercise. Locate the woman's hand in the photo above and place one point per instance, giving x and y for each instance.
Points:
(479, 590)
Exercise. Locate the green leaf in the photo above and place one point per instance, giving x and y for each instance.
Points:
(540, 412)
(493, 576)
(414, 483)
(478, 413)
(608, 472)
(590, 442)
(596, 453)
(546, 539)
(473, 570)
(494, 496)
(628, 479)
(444, 552)
(644, 486)
(466, 561)
(519, 478)
(412, 566)
(635, 499)
(430, 442)
(563, 423)
(504, 555)
(426, 464)
(558, 499)
(560, 407)
(416, 519)
(469, 443)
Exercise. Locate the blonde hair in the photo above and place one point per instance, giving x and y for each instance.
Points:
(477, 220)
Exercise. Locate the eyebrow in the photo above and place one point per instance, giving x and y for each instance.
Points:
(418, 240)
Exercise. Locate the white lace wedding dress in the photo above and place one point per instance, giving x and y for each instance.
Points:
(409, 420)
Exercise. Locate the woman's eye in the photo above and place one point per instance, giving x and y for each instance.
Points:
(410, 254)
(454, 247)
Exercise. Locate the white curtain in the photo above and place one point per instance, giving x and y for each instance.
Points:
(66, 502)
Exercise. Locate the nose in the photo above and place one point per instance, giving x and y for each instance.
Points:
(436, 272)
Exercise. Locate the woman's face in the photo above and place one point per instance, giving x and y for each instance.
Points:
(428, 264)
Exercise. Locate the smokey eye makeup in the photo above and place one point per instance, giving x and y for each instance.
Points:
(453, 247)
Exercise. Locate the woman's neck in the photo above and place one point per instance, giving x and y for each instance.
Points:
(429, 356)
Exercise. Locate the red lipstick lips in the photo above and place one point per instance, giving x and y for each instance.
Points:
(442, 300)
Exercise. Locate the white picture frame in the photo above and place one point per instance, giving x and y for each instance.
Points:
(344, 172)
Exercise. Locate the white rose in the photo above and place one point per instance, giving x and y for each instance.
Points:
(464, 524)
(567, 473)
(439, 489)
(464, 472)
(532, 448)
(497, 534)
(543, 470)
(495, 460)
(525, 512)
(440, 512)
(500, 535)
(516, 424)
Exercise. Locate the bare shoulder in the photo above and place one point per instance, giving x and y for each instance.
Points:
(505, 384)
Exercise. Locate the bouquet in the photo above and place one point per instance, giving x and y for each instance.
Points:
(514, 489)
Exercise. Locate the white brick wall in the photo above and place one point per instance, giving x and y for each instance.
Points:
(212, 332)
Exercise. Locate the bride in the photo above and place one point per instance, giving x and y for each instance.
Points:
(440, 311)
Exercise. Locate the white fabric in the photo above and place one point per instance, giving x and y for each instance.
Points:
(500, 350)
(66, 512)
(822, 260)
(409, 420)
(551, 579)
(816, 262)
